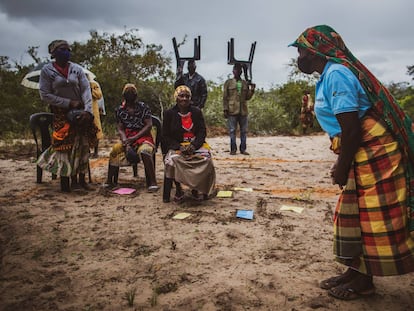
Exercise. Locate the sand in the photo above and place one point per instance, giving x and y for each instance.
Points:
(99, 250)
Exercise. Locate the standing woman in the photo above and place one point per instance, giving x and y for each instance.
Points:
(374, 217)
(96, 111)
(188, 158)
(65, 88)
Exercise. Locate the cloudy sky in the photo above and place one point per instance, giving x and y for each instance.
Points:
(379, 33)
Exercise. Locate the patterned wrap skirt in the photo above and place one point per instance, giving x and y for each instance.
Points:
(371, 221)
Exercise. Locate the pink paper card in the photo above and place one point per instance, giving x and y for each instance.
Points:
(124, 191)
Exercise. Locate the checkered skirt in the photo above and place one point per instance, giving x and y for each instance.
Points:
(371, 221)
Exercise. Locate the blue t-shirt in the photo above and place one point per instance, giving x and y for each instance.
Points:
(338, 91)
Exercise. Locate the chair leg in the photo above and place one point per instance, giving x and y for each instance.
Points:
(135, 169)
(89, 173)
(39, 173)
(113, 172)
(64, 183)
(167, 189)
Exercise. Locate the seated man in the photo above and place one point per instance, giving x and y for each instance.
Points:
(134, 128)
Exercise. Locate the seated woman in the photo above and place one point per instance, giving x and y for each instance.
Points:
(134, 128)
(188, 158)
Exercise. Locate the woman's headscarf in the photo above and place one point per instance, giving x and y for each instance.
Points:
(55, 44)
(129, 86)
(181, 88)
(324, 41)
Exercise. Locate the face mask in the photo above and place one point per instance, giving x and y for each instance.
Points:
(62, 56)
(130, 97)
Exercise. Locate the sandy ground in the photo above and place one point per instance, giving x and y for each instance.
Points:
(103, 251)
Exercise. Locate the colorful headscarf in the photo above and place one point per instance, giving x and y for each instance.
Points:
(181, 88)
(324, 41)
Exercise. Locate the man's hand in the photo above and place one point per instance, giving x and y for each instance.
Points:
(226, 114)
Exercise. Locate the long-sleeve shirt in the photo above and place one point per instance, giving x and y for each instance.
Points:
(57, 90)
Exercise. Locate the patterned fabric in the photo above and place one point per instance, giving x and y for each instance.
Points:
(322, 40)
(187, 125)
(371, 231)
(55, 44)
(117, 156)
(135, 121)
(68, 162)
(63, 136)
(96, 96)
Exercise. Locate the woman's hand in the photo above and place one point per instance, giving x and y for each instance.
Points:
(187, 150)
(75, 104)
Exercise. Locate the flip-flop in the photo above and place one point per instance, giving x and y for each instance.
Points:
(179, 198)
(343, 292)
(153, 188)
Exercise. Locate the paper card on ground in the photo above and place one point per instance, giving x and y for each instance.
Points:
(181, 215)
(243, 189)
(124, 190)
(295, 209)
(224, 194)
(246, 214)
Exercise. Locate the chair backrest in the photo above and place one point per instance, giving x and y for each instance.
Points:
(42, 122)
(156, 122)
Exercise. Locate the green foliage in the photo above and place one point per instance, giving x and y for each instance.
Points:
(117, 60)
(404, 94)
(120, 59)
(17, 102)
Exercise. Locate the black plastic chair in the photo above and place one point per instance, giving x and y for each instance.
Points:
(156, 125)
(41, 123)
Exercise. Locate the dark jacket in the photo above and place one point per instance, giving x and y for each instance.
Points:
(172, 131)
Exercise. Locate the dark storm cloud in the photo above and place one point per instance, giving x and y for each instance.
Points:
(377, 32)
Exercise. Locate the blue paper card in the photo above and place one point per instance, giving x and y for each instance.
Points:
(246, 214)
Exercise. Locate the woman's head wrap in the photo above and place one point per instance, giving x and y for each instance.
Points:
(181, 88)
(324, 41)
(55, 44)
(129, 86)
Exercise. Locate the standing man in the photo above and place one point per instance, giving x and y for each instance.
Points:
(195, 82)
(236, 93)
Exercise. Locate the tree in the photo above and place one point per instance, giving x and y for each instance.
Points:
(120, 59)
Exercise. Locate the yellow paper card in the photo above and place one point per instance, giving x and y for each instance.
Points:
(224, 194)
(181, 215)
(295, 209)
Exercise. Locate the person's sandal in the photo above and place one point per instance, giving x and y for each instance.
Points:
(153, 188)
(344, 292)
(333, 282)
(178, 198)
